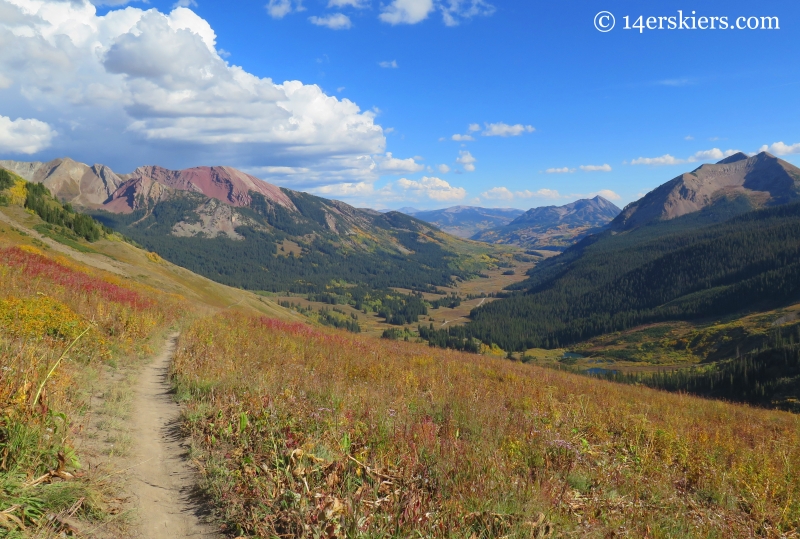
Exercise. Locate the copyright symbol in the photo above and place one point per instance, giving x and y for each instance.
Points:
(604, 21)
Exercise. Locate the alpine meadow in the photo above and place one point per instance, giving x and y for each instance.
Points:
(440, 269)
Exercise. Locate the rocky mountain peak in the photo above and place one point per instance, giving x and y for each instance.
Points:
(760, 180)
(739, 156)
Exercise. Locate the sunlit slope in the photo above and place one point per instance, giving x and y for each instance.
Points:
(76, 303)
(62, 323)
(17, 227)
(306, 432)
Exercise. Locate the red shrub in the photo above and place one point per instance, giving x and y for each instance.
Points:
(37, 266)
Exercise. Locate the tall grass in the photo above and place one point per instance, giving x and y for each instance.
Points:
(311, 433)
(57, 320)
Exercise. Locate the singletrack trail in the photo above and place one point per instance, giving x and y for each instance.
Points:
(162, 481)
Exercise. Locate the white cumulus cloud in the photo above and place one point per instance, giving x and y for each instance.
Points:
(665, 159)
(779, 149)
(345, 190)
(26, 136)
(562, 170)
(406, 11)
(474, 127)
(388, 64)
(498, 193)
(358, 4)
(462, 138)
(596, 168)
(432, 188)
(501, 129)
(714, 154)
(393, 165)
(543, 193)
(278, 9)
(467, 160)
(334, 21)
(444, 169)
(155, 84)
(455, 11)
(608, 194)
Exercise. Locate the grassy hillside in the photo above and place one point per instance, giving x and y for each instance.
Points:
(60, 324)
(114, 254)
(314, 432)
(70, 311)
(304, 432)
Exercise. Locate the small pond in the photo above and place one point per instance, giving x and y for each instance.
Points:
(599, 371)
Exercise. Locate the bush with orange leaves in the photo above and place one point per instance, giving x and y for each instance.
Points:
(301, 432)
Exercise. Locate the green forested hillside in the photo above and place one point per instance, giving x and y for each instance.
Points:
(395, 251)
(768, 377)
(63, 222)
(663, 272)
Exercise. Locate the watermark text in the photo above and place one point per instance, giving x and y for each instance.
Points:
(606, 21)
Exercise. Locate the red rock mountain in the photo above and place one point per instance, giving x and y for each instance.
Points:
(98, 187)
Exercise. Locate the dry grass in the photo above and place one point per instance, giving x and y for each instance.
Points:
(309, 433)
(59, 323)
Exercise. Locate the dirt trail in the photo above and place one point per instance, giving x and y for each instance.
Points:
(162, 481)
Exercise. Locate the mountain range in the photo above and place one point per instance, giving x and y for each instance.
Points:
(714, 246)
(239, 230)
(712, 193)
(717, 241)
(553, 226)
(465, 221)
(224, 200)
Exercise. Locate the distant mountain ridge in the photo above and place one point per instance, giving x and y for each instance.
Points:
(465, 221)
(553, 226)
(720, 242)
(239, 230)
(99, 187)
(70, 181)
(594, 211)
(752, 182)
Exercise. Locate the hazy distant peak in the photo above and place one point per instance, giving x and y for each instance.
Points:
(465, 221)
(596, 211)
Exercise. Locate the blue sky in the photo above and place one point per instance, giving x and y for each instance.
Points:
(532, 90)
